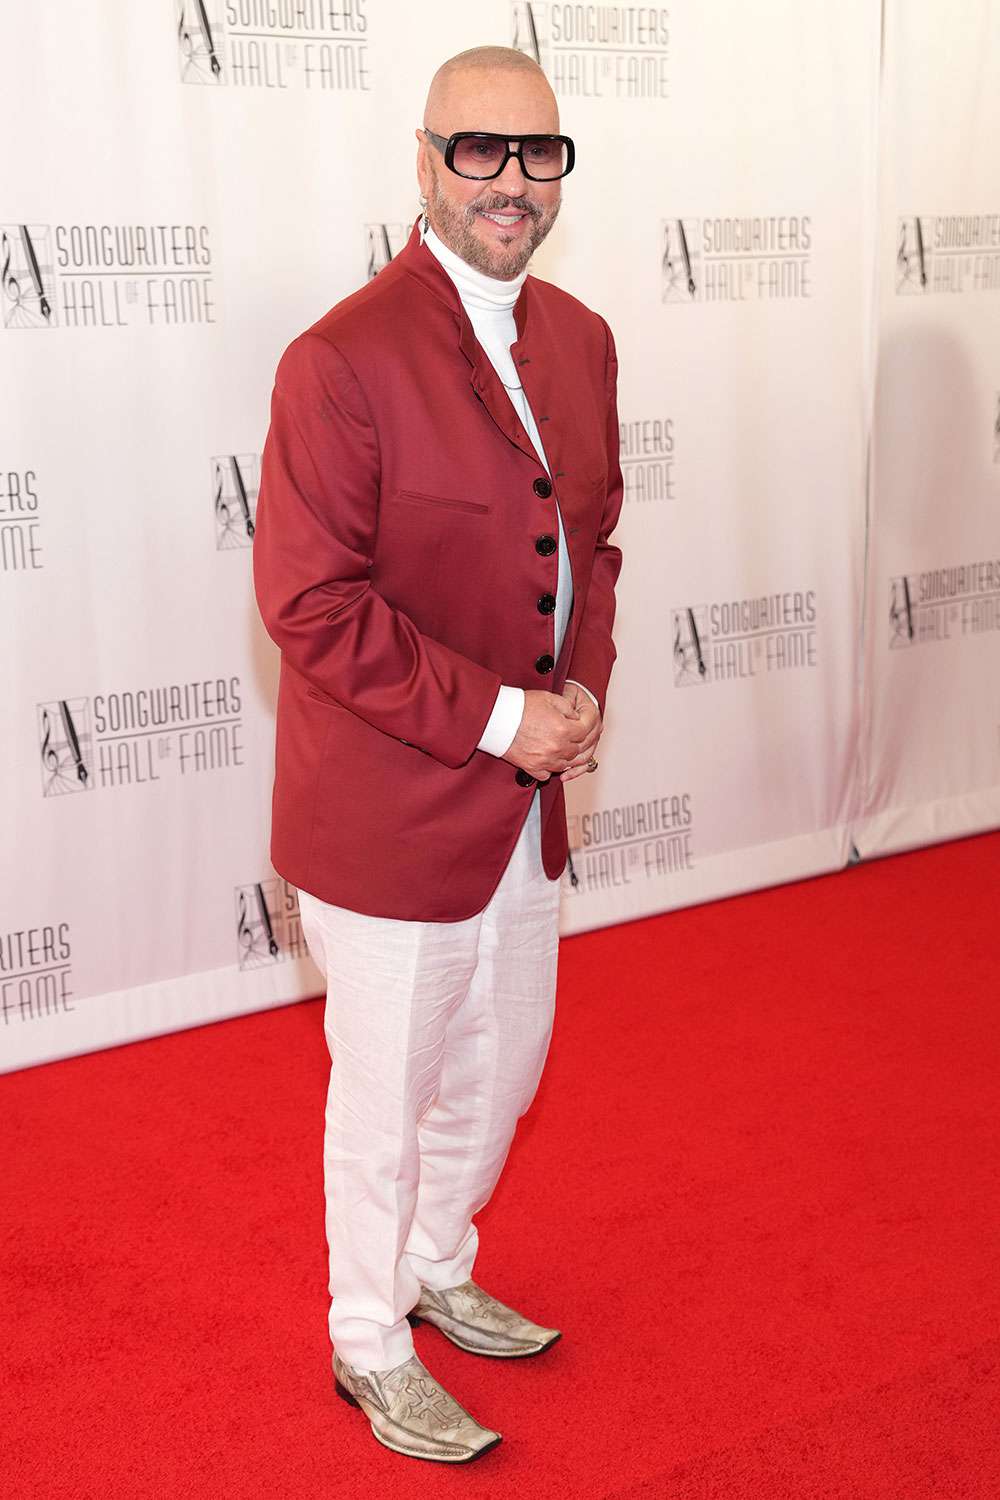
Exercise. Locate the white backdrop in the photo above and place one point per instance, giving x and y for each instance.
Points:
(193, 184)
(932, 651)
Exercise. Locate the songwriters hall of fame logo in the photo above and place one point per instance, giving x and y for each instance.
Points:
(274, 44)
(689, 629)
(529, 30)
(134, 737)
(596, 51)
(105, 275)
(913, 257)
(680, 260)
(944, 604)
(27, 276)
(200, 41)
(630, 842)
(743, 638)
(947, 253)
(235, 485)
(996, 431)
(902, 612)
(268, 925)
(767, 258)
(66, 745)
(382, 242)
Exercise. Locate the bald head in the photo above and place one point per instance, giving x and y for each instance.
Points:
(470, 91)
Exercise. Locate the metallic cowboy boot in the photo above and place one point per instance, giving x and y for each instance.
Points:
(410, 1413)
(475, 1321)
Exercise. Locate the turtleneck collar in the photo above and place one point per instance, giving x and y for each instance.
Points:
(485, 293)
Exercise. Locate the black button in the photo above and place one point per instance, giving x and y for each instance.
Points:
(542, 488)
(544, 664)
(546, 545)
(546, 604)
(523, 779)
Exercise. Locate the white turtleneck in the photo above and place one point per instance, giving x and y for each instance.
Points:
(489, 303)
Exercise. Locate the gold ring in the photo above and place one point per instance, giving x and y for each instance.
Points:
(592, 764)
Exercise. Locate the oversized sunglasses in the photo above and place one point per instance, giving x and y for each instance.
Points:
(482, 155)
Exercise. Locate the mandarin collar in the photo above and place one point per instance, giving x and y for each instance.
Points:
(416, 260)
(479, 292)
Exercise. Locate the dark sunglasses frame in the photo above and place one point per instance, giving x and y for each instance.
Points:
(447, 149)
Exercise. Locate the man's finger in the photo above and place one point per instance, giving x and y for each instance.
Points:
(584, 755)
(578, 739)
(587, 743)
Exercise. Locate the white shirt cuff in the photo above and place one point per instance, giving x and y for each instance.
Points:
(504, 722)
(587, 691)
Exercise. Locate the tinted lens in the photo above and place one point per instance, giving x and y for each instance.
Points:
(480, 156)
(544, 159)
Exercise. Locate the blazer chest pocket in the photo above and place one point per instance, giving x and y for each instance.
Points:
(441, 502)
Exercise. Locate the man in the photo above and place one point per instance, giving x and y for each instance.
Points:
(432, 557)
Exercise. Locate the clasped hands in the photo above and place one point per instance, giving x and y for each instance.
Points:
(557, 734)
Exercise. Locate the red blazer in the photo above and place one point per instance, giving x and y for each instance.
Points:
(405, 532)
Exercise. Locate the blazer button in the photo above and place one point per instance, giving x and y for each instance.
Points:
(544, 664)
(542, 488)
(546, 604)
(546, 544)
(523, 779)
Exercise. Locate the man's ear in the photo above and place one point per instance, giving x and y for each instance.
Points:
(423, 169)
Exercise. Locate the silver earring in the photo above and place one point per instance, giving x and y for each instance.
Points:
(426, 223)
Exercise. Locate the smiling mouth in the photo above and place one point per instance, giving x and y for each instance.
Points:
(506, 219)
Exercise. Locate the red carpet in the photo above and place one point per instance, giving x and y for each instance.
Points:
(758, 1191)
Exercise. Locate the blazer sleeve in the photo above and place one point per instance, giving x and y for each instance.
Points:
(313, 549)
(594, 650)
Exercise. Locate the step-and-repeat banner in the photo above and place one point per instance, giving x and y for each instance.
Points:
(767, 198)
(932, 618)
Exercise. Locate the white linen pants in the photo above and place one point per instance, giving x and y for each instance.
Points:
(438, 1033)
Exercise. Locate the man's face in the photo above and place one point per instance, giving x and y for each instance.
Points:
(496, 225)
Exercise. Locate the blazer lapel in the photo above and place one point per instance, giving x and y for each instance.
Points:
(490, 388)
(418, 262)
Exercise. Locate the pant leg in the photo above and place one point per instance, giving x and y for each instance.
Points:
(494, 1051)
(391, 988)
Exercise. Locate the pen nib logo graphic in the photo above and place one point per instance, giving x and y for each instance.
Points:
(235, 487)
(199, 38)
(901, 627)
(382, 242)
(912, 257)
(64, 742)
(678, 260)
(527, 24)
(254, 927)
(26, 276)
(689, 646)
(267, 923)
